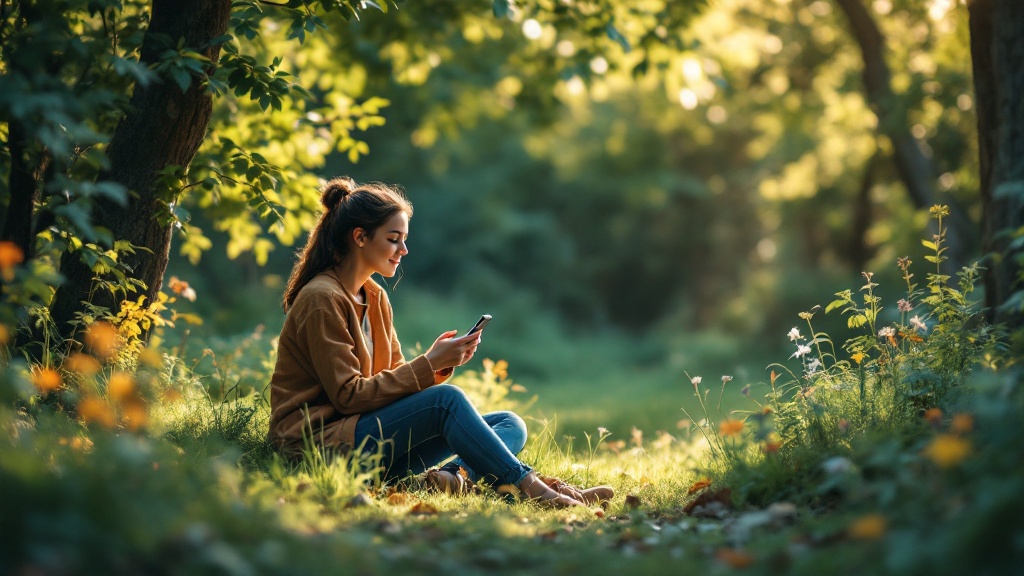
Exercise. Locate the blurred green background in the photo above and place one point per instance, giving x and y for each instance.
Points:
(630, 223)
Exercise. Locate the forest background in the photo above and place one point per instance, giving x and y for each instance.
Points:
(645, 196)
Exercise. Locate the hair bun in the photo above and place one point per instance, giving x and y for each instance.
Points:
(335, 190)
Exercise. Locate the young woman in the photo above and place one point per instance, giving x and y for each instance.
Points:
(342, 382)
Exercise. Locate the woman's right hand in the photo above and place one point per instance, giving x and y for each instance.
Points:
(449, 351)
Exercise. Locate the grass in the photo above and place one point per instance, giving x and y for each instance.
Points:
(894, 450)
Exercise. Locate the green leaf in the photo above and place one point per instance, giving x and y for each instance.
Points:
(929, 244)
(181, 77)
(833, 305)
(615, 35)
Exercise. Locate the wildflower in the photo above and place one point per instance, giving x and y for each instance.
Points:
(602, 431)
(637, 437)
(939, 211)
(933, 416)
(904, 263)
(135, 415)
(904, 305)
(83, 364)
(501, 369)
(947, 450)
(746, 390)
(10, 256)
(120, 386)
(918, 325)
(730, 427)
(102, 338)
(809, 314)
(867, 275)
(801, 350)
(189, 294)
(46, 379)
(794, 335)
(726, 379)
(962, 423)
(813, 366)
(887, 332)
(92, 409)
(858, 357)
(181, 288)
(695, 381)
(868, 527)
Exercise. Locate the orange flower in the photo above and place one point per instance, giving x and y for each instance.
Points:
(10, 256)
(135, 415)
(84, 364)
(120, 386)
(46, 379)
(947, 450)
(933, 416)
(771, 447)
(102, 338)
(92, 409)
(734, 558)
(730, 427)
(962, 423)
(868, 527)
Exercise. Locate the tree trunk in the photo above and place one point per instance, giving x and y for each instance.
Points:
(997, 49)
(912, 165)
(164, 128)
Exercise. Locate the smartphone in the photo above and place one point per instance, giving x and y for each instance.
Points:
(479, 324)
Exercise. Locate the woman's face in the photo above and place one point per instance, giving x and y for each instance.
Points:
(383, 251)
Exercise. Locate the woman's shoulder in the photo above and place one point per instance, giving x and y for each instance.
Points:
(323, 290)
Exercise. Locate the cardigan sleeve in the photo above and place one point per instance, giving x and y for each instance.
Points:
(326, 335)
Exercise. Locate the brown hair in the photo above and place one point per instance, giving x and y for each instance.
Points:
(347, 206)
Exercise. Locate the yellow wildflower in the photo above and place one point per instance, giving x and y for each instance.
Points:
(947, 450)
(120, 386)
(868, 527)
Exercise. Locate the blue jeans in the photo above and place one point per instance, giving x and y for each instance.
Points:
(424, 429)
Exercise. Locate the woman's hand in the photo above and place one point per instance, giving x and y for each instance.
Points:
(448, 351)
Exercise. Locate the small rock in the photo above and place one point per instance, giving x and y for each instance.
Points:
(359, 500)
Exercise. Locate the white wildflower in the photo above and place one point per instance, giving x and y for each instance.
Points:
(918, 324)
(794, 335)
(801, 350)
(813, 366)
(726, 379)
(887, 332)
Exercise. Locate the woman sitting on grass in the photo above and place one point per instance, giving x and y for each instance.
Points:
(341, 380)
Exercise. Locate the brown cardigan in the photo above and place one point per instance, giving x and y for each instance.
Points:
(323, 367)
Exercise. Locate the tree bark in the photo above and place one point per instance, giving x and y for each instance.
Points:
(164, 128)
(997, 49)
(913, 166)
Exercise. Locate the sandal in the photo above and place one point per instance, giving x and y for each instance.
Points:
(598, 495)
(445, 482)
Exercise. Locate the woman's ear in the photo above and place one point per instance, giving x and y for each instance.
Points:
(359, 236)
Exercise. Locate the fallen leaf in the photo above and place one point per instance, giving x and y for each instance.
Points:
(722, 496)
(699, 485)
(734, 558)
(423, 508)
(399, 498)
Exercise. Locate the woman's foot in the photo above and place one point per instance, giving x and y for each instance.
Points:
(598, 495)
(533, 488)
(447, 482)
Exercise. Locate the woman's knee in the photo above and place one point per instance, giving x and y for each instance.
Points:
(447, 395)
(510, 428)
